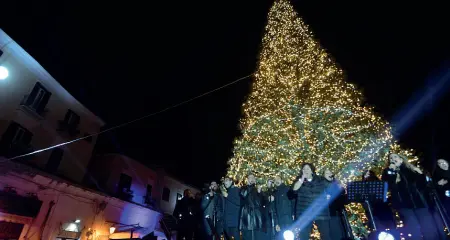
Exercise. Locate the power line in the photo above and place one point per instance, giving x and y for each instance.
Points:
(133, 121)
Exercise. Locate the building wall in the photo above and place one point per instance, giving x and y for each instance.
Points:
(176, 187)
(106, 169)
(24, 72)
(75, 203)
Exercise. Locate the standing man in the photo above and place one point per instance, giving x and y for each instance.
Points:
(183, 212)
(232, 203)
(283, 207)
(212, 206)
(251, 220)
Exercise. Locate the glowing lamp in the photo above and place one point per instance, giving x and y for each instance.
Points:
(77, 221)
(288, 235)
(4, 73)
(385, 236)
(112, 230)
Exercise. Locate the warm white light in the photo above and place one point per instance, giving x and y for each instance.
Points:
(385, 236)
(71, 227)
(77, 221)
(112, 230)
(4, 73)
(288, 235)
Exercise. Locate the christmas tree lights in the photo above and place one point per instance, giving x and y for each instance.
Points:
(301, 109)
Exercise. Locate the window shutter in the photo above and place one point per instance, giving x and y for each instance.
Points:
(7, 136)
(43, 103)
(33, 94)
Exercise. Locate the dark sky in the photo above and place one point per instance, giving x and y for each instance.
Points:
(124, 60)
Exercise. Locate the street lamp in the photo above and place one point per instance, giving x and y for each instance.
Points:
(4, 73)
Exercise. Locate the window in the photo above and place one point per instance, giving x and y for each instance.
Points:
(37, 99)
(54, 160)
(179, 196)
(15, 140)
(148, 196)
(71, 119)
(166, 194)
(124, 182)
(70, 123)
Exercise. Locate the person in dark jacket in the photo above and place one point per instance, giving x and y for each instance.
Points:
(283, 207)
(232, 203)
(251, 219)
(270, 212)
(382, 214)
(405, 184)
(310, 193)
(183, 211)
(336, 206)
(213, 212)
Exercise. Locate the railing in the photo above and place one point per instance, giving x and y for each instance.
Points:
(166, 229)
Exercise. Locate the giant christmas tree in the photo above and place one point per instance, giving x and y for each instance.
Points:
(301, 109)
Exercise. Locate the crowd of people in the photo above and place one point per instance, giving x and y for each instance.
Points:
(251, 213)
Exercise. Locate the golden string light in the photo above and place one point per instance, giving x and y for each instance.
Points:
(301, 109)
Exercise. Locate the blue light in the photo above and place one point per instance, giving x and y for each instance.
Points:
(385, 236)
(447, 193)
(288, 235)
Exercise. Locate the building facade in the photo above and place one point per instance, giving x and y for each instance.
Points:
(128, 179)
(41, 196)
(57, 209)
(37, 112)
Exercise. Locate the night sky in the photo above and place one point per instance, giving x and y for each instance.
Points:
(124, 60)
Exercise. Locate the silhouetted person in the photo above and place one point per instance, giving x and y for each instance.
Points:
(406, 183)
(232, 203)
(184, 212)
(213, 211)
(309, 190)
(251, 219)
